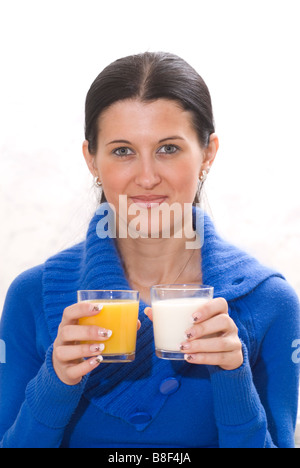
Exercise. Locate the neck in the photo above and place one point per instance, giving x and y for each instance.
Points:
(159, 261)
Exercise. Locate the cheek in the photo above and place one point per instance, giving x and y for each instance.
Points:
(185, 180)
(112, 179)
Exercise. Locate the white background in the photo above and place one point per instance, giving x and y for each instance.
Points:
(51, 51)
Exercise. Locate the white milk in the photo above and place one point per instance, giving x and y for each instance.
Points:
(171, 319)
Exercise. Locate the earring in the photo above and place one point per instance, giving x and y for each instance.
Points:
(204, 175)
(97, 182)
(201, 181)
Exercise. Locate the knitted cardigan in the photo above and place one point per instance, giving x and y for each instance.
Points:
(253, 406)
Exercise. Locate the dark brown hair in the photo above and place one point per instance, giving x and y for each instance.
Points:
(148, 77)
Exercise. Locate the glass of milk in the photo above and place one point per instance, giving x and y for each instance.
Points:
(173, 306)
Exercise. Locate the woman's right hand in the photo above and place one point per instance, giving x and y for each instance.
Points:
(69, 355)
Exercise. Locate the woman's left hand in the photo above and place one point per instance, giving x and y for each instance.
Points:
(213, 339)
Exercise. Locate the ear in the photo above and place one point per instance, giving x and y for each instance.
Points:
(89, 159)
(210, 152)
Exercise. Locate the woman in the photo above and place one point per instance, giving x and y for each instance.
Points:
(150, 138)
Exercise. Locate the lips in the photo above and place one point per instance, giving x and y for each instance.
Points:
(148, 201)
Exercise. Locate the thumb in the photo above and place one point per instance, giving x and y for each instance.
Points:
(148, 312)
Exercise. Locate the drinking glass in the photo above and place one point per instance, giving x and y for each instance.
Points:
(173, 306)
(119, 313)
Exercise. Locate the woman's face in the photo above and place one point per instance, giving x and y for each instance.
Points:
(149, 152)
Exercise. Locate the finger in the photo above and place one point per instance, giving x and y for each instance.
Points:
(77, 311)
(85, 367)
(223, 344)
(211, 309)
(148, 312)
(220, 324)
(227, 361)
(75, 352)
(71, 333)
(139, 325)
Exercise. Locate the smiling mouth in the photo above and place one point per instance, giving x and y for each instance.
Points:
(149, 202)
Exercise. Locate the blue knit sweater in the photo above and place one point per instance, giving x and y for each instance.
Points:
(137, 404)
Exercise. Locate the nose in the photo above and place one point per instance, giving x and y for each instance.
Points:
(147, 175)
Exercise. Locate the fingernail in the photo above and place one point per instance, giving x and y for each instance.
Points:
(185, 346)
(196, 317)
(188, 357)
(97, 348)
(189, 335)
(105, 333)
(96, 308)
(96, 360)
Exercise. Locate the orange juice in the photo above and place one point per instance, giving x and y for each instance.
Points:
(121, 317)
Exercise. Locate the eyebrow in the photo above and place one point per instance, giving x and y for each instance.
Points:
(119, 141)
(175, 137)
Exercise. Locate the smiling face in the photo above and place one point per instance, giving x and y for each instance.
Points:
(149, 152)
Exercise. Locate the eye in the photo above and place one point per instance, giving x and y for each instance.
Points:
(123, 151)
(168, 149)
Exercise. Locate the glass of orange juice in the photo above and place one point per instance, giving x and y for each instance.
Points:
(119, 313)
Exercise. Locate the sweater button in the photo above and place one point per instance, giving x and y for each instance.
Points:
(140, 418)
(169, 386)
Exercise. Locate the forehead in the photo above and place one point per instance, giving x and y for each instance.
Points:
(133, 117)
